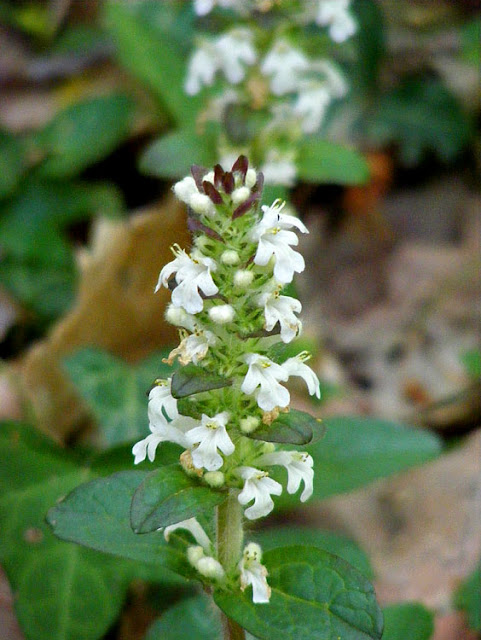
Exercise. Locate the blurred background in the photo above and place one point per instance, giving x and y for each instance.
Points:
(91, 106)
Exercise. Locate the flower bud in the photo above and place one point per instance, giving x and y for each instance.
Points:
(268, 447)
(194, 554)
(251, 178)
(214, 479)
(179, 317)
(210, 568)
(222, 314)
(250, 424)
(209, 177)
(240, 195)
(252, 551)
(230, 257)
(202, 204)
(185, 189)
(243, 278)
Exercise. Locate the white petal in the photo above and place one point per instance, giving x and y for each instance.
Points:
(194, 528)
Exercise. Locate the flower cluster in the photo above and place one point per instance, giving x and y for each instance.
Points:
(276, 77)
(227, 302)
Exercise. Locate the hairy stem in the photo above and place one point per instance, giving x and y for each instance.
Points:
(230, 536)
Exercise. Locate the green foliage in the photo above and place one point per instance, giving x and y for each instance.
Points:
(471, 41)
(153, 51)
(62, 591)
(471, 360)
(168, 496)
(407, 620)
(192, 379)
(421, 115)
(83, 134)
(172, 155)
(321, 161)
(315, 596)
(194, 618)
(273, 537)
(370, 46)
(97, 515)
(467, 598)
(12, 163)
(295, 427)
(357, 450)
(37, 264)
(115, 391)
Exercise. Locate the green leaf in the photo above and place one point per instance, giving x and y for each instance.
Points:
(61, 591)
(273, 537)
(97, 515)
(358, 450)
(194, 618)
(370, 43)
(12, 163)
(471, 360)
(321, 161)
(115, 391)
(83, 134)
(193, 379)
(315, 596)
(295, 427)
(467, 599)
(168, 496)
(173, 155)
(407, 620)
(421, 115)
(148, 49)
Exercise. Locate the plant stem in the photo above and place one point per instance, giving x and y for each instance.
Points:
(230, 536)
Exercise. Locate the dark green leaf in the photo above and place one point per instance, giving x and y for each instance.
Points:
(407, 620)
(154, 56)
(193, 379)
(295, 427)
(357, 450)
(97, 515)
(273, 537)
(62, 591)
(115, 391)
(467, 598)
(421, 115)
(83, 134)
(12, 163)
(172, 155)
(370, 43)
(315, 596)
(194, 618)
(168, 496)
(321, 161)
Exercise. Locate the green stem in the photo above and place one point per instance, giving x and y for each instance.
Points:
(230, 536)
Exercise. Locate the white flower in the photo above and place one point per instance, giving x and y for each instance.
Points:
(284, 64)
(282, 310)
(192, 274)
(195, 529)
(233, 49)
(160, 398)
(228, 53)
(299, 469)
(311, 105)
(335, 13)
(279, 168)
(266, 374)
(252, 572)
(222, 313)
(193, 348)
(296, 367)
(209, 436)
(258, 487)
(274, 239)
(163, 432)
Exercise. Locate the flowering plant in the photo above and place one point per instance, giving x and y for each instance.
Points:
(227, 407)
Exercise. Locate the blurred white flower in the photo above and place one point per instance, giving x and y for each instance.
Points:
(259, 488)
(209, 436)
(311, 105)
(336, 15)
(284, 64)
(279, 168)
